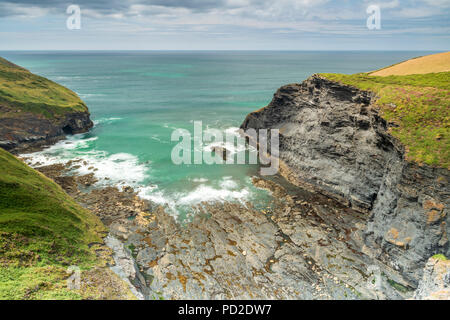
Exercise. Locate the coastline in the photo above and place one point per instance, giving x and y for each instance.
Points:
(302, 246)
(363, 231)
(104, 202)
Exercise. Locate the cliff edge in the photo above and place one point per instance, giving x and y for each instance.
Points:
(378, 145)
(35, 111)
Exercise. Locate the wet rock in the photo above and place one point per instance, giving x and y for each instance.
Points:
(87, 180)
(235, 252)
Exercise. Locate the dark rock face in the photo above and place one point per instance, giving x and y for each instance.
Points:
(31, 130)
(332, 141)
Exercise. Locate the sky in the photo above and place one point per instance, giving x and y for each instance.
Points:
(225, 25)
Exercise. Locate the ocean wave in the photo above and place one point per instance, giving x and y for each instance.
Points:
(228, 183)
(231, 146)
(124, 169)
(110, 169)
(156, 138)
(62, 150)
(90, 95)
(167, 126)
(226, 190)
(120, 169)
(198, 180)
(106, 120)
(204, 193)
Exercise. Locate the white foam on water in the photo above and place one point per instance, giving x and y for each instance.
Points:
(156, 138)
(152, 193)
(167, 126)
(60, 152)
(231, 146)
(62, 78)
(124, 169)
(204, 193)
(89, 95)
(232, 131)
(228, 183)
(119, 168)
(106, 120)
(110, 169)
(227, 190)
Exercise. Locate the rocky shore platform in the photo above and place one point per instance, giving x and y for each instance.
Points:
(301, 246)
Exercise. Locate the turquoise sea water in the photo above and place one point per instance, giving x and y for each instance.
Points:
(137, 99)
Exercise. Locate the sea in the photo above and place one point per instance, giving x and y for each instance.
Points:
(137, 99)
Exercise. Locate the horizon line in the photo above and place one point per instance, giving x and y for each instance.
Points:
(217, 50)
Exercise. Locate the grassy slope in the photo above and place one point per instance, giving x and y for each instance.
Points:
(419, 105)
(434, 63)
(42, 232)
(23, 91)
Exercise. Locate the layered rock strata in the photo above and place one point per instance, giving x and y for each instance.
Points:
(333, 141)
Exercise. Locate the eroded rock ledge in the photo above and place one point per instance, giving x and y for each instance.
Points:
(333, 141)
(29, 130)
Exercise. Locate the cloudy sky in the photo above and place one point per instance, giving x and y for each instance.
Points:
(225, 24)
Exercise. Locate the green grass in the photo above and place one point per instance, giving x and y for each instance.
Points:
(440, 257)
(22, 91)
(418, 105)
(37, 283)
(42, 232)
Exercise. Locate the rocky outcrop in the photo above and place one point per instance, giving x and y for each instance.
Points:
(334, 142)
(29, 130)
(35, 111)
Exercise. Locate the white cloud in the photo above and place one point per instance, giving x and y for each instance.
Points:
(236, 16)
(11, 9)
(438, 3)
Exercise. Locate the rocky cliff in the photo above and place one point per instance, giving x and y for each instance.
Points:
(30, 130)
(334, 141)
(35, 111)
